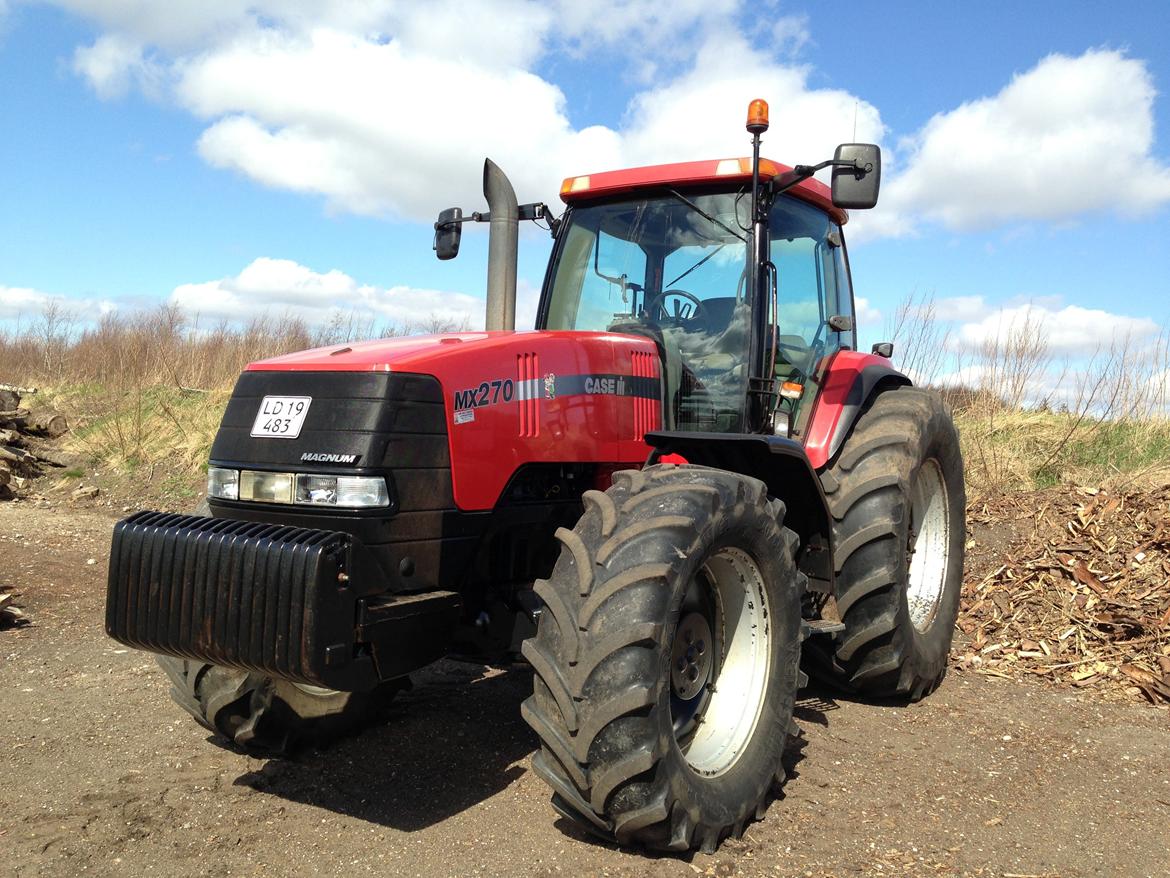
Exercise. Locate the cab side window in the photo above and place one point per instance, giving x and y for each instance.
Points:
(812, 285)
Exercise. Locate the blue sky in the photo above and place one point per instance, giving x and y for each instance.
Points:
(238, 157)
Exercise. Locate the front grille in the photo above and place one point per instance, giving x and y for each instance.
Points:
(528, 392)
(646, 410)
(257, 596)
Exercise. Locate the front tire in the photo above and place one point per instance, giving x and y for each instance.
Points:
(898, 503)
(267, 716)
(667, 658)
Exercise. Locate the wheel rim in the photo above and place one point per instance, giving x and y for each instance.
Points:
(310, 701)
(719, 656)
(929, 545)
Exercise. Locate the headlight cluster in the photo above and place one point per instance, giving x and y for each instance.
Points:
(347, 492)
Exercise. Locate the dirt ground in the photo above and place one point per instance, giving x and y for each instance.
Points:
(101, 774)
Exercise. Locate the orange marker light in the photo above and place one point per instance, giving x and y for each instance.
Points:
(757, 121)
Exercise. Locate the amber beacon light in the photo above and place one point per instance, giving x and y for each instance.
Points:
(757, 120)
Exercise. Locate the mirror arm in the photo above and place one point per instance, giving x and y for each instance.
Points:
(535, 211)
(786, 181)
(476, 217)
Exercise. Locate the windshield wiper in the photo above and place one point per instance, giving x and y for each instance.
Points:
(693, 267)
(706, 215)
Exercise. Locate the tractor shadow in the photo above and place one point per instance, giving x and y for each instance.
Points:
(453, 741)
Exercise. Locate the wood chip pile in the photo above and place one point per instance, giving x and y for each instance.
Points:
(1071, 585)
(22, 436)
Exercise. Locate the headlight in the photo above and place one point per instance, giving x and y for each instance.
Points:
(223, 483)
(266, 487)
(351, 492)
(345, 492)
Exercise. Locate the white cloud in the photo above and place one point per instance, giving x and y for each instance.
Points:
(283, 286)
(27, 306)
(343, 116)
(114, 63)
(701, 113)
(867, 314)
(22, 302)
(387, 107)
(960, 308)
(1069, 136)
(1071, 330)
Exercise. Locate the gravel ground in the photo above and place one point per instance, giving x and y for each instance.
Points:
(102, 775)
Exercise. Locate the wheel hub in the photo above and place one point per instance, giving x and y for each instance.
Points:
(928, 546)
(690, 657)
(719, 662)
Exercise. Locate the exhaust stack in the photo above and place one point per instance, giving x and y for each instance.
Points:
(503, 240)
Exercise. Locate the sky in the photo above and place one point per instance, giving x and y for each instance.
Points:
(240, 157)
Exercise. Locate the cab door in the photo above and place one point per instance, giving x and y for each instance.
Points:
(813, 303)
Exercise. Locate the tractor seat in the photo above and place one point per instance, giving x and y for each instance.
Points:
(795, 351)
(716, 314)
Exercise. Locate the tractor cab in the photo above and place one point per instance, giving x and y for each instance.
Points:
(735, 268)
(640, 256)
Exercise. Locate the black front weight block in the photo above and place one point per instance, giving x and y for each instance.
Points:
(284, 601)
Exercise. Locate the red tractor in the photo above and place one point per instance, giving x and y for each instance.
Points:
(682, 488)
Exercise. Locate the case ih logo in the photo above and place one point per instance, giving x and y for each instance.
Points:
(322, 457)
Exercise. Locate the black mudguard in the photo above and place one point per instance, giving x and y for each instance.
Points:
(783, 466)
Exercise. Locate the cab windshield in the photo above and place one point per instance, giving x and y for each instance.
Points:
(672, 268)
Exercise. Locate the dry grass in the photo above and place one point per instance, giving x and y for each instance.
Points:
(1029, 419)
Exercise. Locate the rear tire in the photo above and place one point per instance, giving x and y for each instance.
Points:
(667, 658)
(267, 716)
(898, 504)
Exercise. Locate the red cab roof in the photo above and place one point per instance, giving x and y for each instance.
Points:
(737, 170)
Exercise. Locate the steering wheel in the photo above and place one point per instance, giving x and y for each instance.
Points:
(656, 307)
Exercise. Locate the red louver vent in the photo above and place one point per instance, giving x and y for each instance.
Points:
(528, 394)
(646, 410)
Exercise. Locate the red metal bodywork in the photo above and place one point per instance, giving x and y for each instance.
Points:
(696, 173)
(839, 387)
(550, 397)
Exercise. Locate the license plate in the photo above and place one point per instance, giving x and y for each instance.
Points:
(281, 417)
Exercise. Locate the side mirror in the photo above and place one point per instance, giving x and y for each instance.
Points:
(883, 349)
(448, 233)
(857, 175)
(841, 323)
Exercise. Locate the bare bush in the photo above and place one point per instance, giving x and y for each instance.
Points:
(1028, 419)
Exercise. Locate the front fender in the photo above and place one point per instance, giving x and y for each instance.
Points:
(850, 381)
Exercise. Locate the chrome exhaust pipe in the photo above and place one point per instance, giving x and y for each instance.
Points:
(503, 243)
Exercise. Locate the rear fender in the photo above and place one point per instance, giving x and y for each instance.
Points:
(851, 380)
(783, 466)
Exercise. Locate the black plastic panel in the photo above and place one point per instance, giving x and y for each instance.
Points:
(392, 421)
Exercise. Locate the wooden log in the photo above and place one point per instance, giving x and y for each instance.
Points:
(5, 475)
(15, 388)
(48, 424)
(8, 454)
(13, 415)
